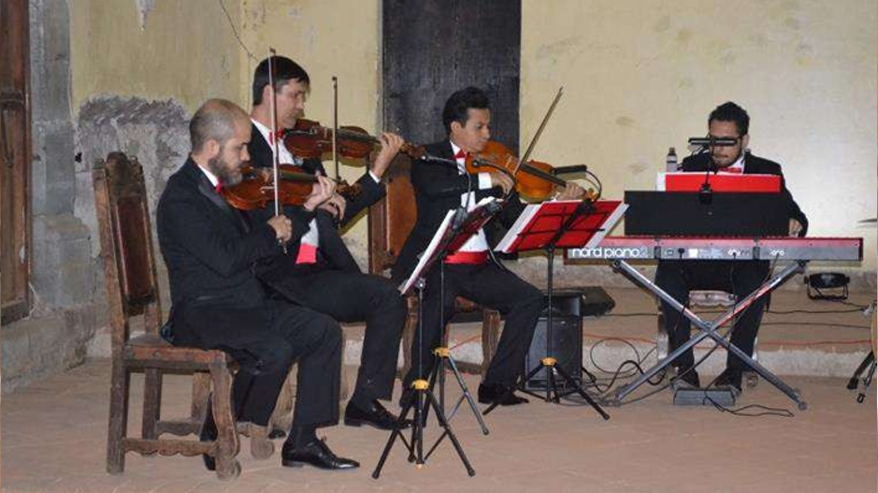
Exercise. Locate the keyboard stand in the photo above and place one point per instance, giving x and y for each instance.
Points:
(709, 329)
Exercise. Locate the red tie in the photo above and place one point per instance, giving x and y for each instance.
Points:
(218, 187)
(279, 133)
(461, 154)
(734, 171)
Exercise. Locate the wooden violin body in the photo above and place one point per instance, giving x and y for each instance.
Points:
(533, 180)
(256, 190)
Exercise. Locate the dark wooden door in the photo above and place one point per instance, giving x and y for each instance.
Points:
(15, 156)
(432, 48)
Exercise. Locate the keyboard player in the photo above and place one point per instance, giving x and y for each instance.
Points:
(677, 278)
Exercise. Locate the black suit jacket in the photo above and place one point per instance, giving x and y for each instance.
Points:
(753, 165)
(208, 247)
(438, 187)
(280, 271)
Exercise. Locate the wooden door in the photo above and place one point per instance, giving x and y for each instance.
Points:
(431, 48)
(15, 156)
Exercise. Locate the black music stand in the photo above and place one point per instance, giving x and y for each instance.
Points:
(548, 226)
(457, 227)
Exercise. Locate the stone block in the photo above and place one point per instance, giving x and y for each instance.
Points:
(62, 273)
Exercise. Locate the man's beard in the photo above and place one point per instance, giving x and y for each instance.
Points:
(730, 162)
(228, 175)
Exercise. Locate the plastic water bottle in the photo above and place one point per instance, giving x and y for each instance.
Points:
(671, 160)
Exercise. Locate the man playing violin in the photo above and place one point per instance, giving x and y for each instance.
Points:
(218, 303)
(319, 271)
(677, 278)
(471, 272)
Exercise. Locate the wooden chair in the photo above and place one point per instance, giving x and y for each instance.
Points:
(132, 289)
(390, 222)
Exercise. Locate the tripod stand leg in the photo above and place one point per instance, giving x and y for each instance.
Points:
(447, 427)
(397, 433)
(467, 395)
(582, 393)
(518, 386)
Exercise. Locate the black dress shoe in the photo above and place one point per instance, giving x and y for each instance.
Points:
(687, 377)
(208, 434)
(316, 454)
(489, 394)
(730, 377)
(378, 416)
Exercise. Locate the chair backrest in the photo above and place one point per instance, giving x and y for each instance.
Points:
(393, 217)
(126, 245)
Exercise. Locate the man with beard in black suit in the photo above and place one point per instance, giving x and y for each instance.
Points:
(471, 271)
(219, 304)
(677, 278)
(318, 270)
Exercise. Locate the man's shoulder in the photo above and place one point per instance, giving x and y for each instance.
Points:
(695, 162)
(762, 165)
(438, 148)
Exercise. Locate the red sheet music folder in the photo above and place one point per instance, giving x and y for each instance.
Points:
(539, 223)
(719, 182)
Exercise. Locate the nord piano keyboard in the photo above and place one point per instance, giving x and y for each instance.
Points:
(717, 248)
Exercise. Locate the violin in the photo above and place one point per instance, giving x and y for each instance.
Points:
(256, 189)
(533, 179)
(308, 139)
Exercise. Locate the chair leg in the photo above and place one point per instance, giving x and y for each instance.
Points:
(344, 391)
(118, 423)
(490, 338)
(152, 403)
(227, 443)
(200, 394)
(408, 335)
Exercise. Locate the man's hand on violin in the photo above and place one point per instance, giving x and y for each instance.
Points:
(283, 228)
(390, 146)
(571, 192)
(503, 181)
(323, 190)
(335, 206)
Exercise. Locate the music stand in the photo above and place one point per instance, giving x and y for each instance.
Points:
(457, 227)
(548, 226)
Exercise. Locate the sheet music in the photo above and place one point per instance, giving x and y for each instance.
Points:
(428, 255)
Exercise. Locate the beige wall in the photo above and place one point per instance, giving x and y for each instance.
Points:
(639, 76)
(642, 75)
(186, 52)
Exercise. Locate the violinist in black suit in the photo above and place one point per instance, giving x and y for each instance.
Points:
(318, 270)
(218, 303)
(727, 121)
(472, 271)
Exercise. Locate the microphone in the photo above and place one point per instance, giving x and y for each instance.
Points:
(566, 170)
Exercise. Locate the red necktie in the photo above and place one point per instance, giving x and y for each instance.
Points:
(734, 171)
(461, 154)
(218, 187)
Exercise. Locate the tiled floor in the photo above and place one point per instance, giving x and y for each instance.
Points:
(54, 432)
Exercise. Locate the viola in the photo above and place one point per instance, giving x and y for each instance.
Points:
(533, 179)
(308, 139)
(256, 190)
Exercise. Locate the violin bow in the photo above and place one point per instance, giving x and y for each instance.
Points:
(335, 125)
(533, 142)
(274, 151)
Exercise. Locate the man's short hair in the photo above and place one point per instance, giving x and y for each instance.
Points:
(284, 70)
(458, 105)
(731, 112)
(216, 120)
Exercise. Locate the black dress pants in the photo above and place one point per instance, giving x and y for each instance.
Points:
(356, 297)
(488, 285)
(265, 341)
(679, 277)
